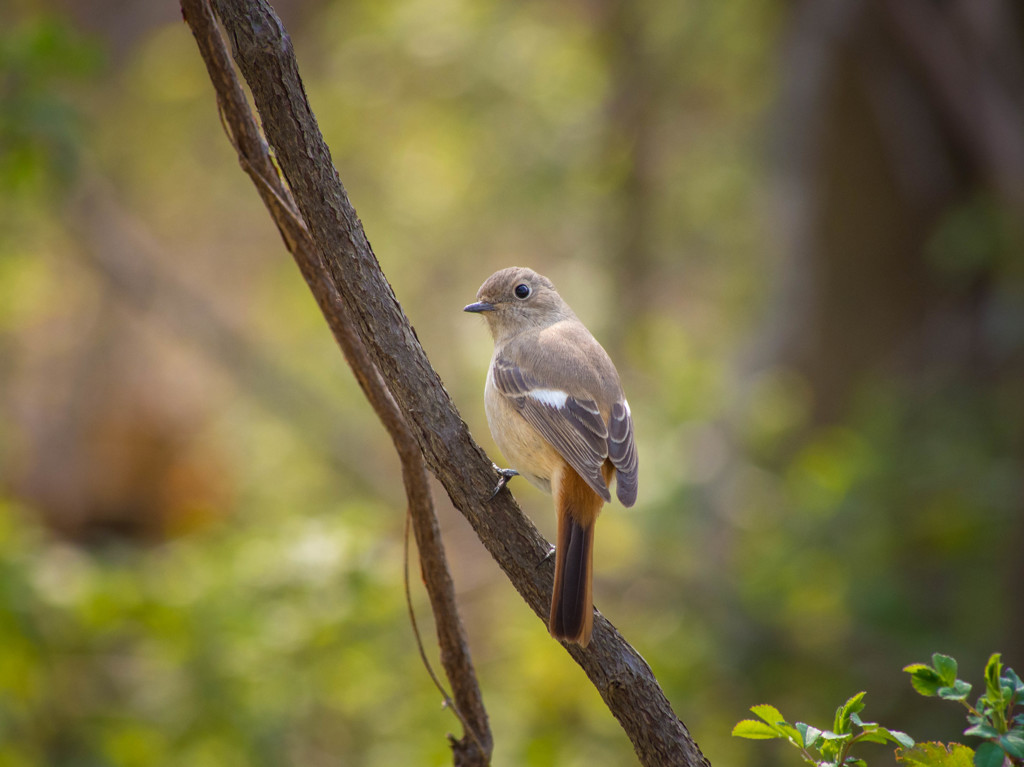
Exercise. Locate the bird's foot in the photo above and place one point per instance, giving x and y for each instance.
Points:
(551, 553)
(505, 476)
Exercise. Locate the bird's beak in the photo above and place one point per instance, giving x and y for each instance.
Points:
(480, 306)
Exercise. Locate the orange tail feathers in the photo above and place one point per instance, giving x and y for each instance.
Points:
(572, 601)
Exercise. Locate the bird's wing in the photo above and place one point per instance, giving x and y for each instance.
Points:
(622, 451)
(572, 424)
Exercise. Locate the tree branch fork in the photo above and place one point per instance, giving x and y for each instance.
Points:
(320, 228)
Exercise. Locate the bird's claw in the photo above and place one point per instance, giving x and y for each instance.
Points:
(551, 553)
(505, 476)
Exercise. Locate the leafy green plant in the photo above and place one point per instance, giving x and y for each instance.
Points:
(936, 755)
(992, 717)
(824, 748)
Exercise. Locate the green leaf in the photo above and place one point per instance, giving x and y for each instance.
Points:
(754, 730)
(790, 732)
(1013, 744)
(773, 718)
(946, 668)
(924, 679)
(843, 713)
(875, 735)
(830, 748)
(768, 713)
(959, 691)
(988, 755)
(936, 755)
(982, 730)
(1011, 678)
(809, 736)
(833, 744)
(855, 704)
(902, 738)
(993, 688)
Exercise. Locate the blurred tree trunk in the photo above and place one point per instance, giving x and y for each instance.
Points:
(895, 114)
(629, 144)
(902, 127)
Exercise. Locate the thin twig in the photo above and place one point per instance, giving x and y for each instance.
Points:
(415, 625)
(448, 702)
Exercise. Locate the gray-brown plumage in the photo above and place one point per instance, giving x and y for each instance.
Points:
(556, 409)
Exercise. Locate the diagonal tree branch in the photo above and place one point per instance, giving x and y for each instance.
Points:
(346, 270)
(476, 745)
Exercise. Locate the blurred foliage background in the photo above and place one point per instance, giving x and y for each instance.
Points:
(796, 226)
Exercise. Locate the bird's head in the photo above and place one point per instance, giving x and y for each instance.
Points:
(516, 299)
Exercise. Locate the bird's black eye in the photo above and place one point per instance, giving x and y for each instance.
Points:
(522, 290)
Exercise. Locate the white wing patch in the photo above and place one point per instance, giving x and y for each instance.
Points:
(551, 397)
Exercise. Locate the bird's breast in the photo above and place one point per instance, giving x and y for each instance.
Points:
(521, 444)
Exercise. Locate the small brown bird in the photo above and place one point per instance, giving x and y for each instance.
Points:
(556, 410)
